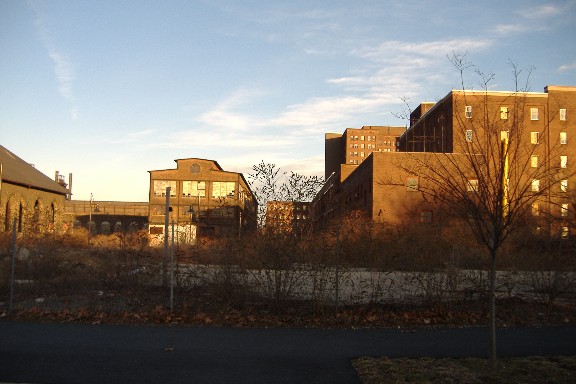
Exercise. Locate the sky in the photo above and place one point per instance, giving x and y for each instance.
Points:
(109, 90)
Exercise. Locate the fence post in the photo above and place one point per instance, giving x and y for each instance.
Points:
(172, 270)
(166, 236)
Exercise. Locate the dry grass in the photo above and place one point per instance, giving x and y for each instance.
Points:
(528, 370)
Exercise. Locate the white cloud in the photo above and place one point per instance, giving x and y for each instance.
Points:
(567, 67)
(420, 52)
(224, 114)
(63, 67)
(506, 29)
(541, 11)
(64, 73)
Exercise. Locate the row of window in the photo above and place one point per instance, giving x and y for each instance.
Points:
(199, 212)
(534, 137)
(362, 146)
(504, 111)
(472, 185)
(426, 217)
(536, 185)
(368, 138)
(534, 161)
(194, 188)
(298, 216)
(564, 209)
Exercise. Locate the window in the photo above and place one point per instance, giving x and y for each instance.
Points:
(504, 113)
(533, 113)
(469, 135)
(226, 212)
(362, 138)
(412, 184)
(193, 188)
(426, 216)
(535, 209)
(565, 232)
(564, 210)
(564, 185)
(504, 135)
(472, 185)
(361, 154)
(534, 137)
(223, 188)
(362, 145)
(563, 161)
(468, 111)
(161, 185)
(563, 114)
(563, 138)
(535, 185)
(534, 161)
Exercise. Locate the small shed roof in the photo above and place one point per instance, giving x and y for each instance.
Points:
(17, 171)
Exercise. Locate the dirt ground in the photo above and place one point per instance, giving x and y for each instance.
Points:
(202, 306)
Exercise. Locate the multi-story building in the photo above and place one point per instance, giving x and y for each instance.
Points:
(204, 200)
(287, 217)
(346, 150)
(538, 124)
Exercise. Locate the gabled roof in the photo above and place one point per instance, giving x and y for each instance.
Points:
(213, 162)
(200, 159)
(17, 171)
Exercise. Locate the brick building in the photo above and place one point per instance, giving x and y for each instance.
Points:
(287, 217)
(346, 150)
(205, 200)
(538, 123)
(27, 195)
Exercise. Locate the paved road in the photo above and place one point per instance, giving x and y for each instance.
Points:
(78, 353)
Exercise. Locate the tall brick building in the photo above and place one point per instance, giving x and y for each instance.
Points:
(346, 150)
(29, 196)
(205, 200)
(540, 124)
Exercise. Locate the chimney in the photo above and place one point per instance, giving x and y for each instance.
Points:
(70, 186)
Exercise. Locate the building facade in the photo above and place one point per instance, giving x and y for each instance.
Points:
(356, 144)
(537, 126)
(291, 217)
(204, 200)
(28, 197)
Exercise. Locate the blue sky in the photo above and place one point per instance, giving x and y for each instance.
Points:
(108, 90)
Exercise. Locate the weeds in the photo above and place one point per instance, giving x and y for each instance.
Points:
(277, 272)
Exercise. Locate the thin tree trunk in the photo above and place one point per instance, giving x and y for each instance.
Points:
(492, 304)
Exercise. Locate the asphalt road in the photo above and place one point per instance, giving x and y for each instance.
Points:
(79, 353)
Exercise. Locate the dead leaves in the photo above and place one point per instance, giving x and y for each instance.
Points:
(301, 315)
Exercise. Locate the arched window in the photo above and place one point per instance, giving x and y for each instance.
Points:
(37, 216)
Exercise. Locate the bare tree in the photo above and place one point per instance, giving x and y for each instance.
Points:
(495, 176)
(269, 183)
(279, 249)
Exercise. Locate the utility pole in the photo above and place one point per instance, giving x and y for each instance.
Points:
(166, 235)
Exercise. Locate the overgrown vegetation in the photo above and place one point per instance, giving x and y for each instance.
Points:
(388, 278)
